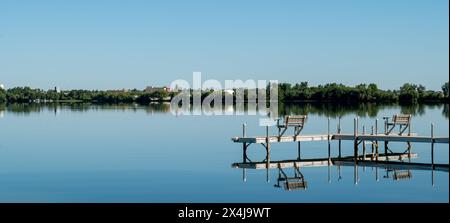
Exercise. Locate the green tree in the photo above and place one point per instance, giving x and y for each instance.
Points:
(408, 93)
(445, 89)
(2, 96)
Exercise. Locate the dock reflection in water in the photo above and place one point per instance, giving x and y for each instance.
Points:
(396, 166)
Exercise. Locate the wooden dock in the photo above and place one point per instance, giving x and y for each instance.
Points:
(364, 138)
(351, 137)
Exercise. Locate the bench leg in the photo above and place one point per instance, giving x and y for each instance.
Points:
(281, 133)
(297, 130)
(403, 129)
(390, 130)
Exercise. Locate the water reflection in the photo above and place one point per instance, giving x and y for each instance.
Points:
(82, 107)
(291, 176)
(362, 110)
(295, 182)
(320, 109)
(119, 154)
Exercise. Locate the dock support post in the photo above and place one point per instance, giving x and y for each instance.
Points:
(268, 153)
(409, 143)
(386, 148)
(364, 143)
(329, 143)
(376, 142)
(299, 150)
(432, 154)
(355, 134)
(339, 132)
(386, 133)
(372, 145)
(244, 145)
(432, 146)
(244, 152)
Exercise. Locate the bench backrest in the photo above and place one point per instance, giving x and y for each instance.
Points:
(401, 119)
(294, 120)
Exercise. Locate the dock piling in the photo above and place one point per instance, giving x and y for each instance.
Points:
(409, 143)
(244, 145)
(268, 153)
(244, 152)
(432, 146)
(329, 144)
(372, 144)
(355, 134)
(376, 142)
(364, 143)
(339, 132)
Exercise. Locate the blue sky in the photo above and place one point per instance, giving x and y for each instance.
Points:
(107, 44)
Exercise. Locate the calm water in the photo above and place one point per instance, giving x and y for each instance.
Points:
(91, 153)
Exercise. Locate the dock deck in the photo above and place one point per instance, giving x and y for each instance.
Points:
(272, 139)
(325, 137)
(391, 138)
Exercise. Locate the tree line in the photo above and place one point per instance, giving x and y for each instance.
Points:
(300, 92)
(407, 94)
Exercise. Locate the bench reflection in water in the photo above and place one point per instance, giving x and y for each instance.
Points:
(297, 182)
(397, 166)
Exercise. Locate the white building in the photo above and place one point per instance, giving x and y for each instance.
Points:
(2, 86)
(229, 91)
(151, 89)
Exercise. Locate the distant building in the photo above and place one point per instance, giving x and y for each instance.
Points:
(229, 91)
(151, 89)
(123, 90)
(2, 86)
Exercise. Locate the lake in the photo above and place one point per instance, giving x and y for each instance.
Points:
(133, 153)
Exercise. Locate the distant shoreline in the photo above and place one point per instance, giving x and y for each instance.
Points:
(287, 93)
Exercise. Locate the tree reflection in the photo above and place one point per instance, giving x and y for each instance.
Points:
(321, 109)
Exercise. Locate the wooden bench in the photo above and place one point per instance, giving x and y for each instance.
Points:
(401, 120)
(296, 121)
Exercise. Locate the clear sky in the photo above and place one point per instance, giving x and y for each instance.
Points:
(107, 44)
